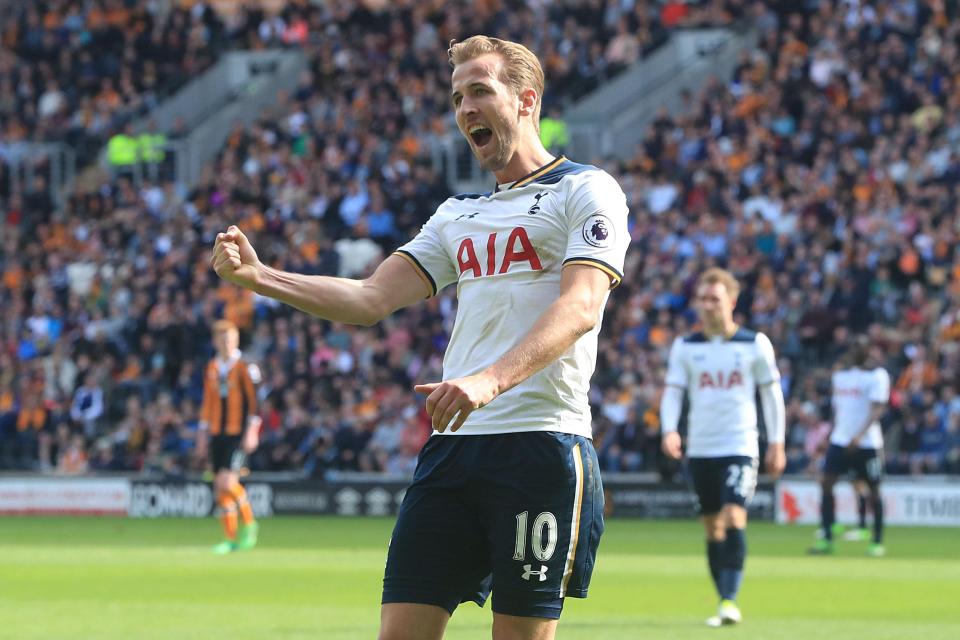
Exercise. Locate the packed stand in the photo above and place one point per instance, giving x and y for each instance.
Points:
(109, 329)
(77, 72)
(826, 175)
(791, 175)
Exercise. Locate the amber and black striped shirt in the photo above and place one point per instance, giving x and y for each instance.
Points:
(229, 396)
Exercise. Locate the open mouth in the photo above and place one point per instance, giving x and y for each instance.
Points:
(480, 135)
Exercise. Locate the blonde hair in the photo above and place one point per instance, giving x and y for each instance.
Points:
(222, 326)
(717, 275)
(521, 69)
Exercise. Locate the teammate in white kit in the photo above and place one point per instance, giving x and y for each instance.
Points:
(720, 369)
(507, 494)
(860, 396)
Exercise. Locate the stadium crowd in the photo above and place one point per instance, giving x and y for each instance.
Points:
(80, 72)
(824, 173)
(77, 72)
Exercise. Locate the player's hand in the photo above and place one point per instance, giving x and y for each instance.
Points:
(457, 398)
(854, 444)
(776, 459)
(251, 437)
(671, 445)
(234, 259)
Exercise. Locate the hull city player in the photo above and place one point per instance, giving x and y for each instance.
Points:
(230, 427)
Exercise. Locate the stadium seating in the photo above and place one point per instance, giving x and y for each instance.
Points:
(824, 173)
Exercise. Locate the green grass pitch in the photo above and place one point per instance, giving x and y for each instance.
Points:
(319, 578)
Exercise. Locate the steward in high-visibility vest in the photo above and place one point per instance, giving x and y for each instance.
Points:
(553, 133)
(123, 150)
(152, 144)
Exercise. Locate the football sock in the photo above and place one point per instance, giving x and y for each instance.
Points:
(240, 495)
(826, 514)
(878, 520)
(735, 552)
(228, 515)
(862, 510)
(715, 560)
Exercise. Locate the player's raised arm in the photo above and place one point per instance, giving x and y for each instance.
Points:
(393, 285)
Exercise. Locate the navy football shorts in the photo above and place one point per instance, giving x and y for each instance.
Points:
(721, 481)
(863, 464)
(520, 514)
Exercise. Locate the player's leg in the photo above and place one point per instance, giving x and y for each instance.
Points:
(506, 627)
(542, 509)
(834, 465)
(862, 494)
(227, 507)
(236, 460)
(876, 500)
(872, 472)
(827, 515)
(734, 558)
(739, 485)
(438, 555)
(249, 533)
(716, 536)
(411, 621)
(706, 478)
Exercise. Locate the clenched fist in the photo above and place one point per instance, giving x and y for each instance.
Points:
(234, 259)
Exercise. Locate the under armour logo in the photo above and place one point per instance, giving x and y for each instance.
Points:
(467, 215)
(533, 210)
(527, 572)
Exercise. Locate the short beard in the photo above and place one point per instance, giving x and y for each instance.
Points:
(502, 155)
(499, 159)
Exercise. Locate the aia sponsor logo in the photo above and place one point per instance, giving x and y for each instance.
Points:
(483, 257)
(720, 380)
(847, 392)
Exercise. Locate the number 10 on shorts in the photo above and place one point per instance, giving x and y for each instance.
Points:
(543, 540)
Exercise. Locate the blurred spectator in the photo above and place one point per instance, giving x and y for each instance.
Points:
(87, 406)
(73, 457)
(123, 152)
(82, 70)
(823, 172)
(622, 449)
(953, 447)
(932, 452)
(553, 132)
(34, 425)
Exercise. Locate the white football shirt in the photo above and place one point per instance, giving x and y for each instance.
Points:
(721, 379)
(505, 250)
(854, 390)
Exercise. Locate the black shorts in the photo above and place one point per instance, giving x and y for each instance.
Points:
(721, 481)
(227, 453)
(520, 514)
(863, 464)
